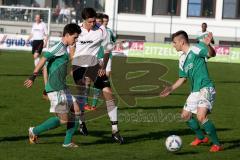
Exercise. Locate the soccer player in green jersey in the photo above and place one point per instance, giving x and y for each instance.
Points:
(61, 101)
(192, 66)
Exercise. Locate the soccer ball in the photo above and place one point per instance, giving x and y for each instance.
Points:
(173, 143)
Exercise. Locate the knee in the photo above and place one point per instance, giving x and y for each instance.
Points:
(35, 55)
(201, 118)
(62, 121)
(185, 116)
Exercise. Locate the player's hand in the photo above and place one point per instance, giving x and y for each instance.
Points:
(101, 72)
(207, 40)
(167, 90)
(28, 83)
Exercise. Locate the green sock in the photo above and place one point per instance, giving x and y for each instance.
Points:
(194, 125)
(211, 131)
(51, 123)
(95, 96)
(71, 128)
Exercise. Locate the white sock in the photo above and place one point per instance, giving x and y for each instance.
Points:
(112, 113)
(36, 61)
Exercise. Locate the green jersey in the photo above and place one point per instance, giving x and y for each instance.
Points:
(57, 61)
(192, 65)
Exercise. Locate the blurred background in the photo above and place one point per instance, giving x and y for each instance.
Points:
(140, 20)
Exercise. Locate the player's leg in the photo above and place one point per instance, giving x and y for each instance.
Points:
(96, 94)
(112, 113)
(72, 124)
(187, 114)
(59, 109)
(86, 91)
(207, 96)
(104, 84)
(37, 50)
(78, 76)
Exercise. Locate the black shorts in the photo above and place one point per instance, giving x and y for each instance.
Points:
(79, 73)
(37, 46)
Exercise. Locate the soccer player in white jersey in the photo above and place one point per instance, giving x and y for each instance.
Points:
(203, 33)
(39, 37)
(86, 64)
(62, 102)
(192, 66)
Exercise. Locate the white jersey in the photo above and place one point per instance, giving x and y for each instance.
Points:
(88, 45)
(39, 30)
(201, 35)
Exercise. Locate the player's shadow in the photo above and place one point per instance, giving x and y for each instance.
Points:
(186, 153)
(228, 82)
(14, 75)
(163, 134)
(233, 144)
(150, 107)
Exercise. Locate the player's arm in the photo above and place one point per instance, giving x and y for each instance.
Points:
(72, 51)
(169, 89)
(208, 40)
(30, 37)
(29, 82)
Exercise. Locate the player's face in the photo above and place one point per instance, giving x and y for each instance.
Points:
(177, 43)
(71, 39)
(99, 21)
(37, 18)
(105, 21)
(204, 27)
(90, 23)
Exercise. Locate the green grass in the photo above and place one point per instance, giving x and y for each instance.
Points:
(144, 126)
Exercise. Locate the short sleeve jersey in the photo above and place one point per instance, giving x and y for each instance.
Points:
(39, 30)
(57, 62)
(192, 65)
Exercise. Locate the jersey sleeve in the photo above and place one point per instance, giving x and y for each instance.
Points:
(49, 55)
(113, 37)
(55, 51)
(200, 49)
(181, 73)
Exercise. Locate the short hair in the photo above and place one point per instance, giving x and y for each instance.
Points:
(105, 16)
(88, 13)
(71, 29)
(99, 16)
(204, 23)
(182, 34)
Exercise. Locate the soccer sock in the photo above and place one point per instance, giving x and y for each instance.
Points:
(86, 93)
(95, 96)
(72, 126)
(112, 113)
(36, 61)
(194, 125)
(211, 131)
(51, 123)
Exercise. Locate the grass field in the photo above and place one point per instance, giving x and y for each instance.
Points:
(144, 126)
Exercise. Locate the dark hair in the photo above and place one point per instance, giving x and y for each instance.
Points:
(105, 16)
(99, 16)
(182, 34)
(204, 23)
(88, 13)
(71, 29)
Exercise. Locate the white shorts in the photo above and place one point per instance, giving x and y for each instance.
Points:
(109, 65)
(60, 101)
(204, 98)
